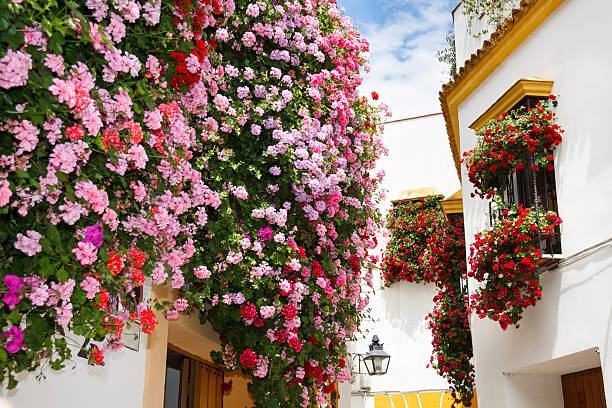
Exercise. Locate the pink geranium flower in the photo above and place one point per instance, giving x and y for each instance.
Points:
(5, 193)
(86, 253)
(14, 69)
(28, 244)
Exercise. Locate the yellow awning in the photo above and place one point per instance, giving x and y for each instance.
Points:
(398, 400)
(430, 399)
(382, 401)
(411, 400)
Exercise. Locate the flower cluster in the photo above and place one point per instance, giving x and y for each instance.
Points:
(504, 259)
(218, 147)
(412, 224)
(444, 257)
(449, 321)
(511, 142)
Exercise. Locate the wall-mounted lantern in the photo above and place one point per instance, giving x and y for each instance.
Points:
(377, 359)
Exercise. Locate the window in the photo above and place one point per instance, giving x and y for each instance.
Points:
(191, 383)
(535, 189)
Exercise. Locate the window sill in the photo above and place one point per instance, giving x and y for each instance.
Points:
(548, 262)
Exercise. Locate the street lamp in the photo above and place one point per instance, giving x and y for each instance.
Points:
(377, 359)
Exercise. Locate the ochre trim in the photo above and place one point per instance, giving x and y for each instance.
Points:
(508, 36)
(452, 207)
(197, 357)
(416, 194)
(521, 89)
(453, 204)
(155, 365)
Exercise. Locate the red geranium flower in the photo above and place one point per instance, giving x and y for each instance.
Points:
(248, 358)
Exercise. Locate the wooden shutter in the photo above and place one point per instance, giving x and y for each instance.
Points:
(184, 384)
(211, 394)
(584, 389)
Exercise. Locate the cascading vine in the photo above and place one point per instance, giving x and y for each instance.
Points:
(219, 147)
(449, 322)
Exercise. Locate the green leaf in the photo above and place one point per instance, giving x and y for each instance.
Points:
(54, 235)
(62, 177)
(57, 365)
(15, 317)
(78, 298)
(4, 24)
(35, 332)
(45, 243)
(46, 269)
(279, 258)
(22, 174)
(62, 275)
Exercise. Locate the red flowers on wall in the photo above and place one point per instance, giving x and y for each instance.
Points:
(504, 259)
(444, 258)
(411, 224)
(426, 247)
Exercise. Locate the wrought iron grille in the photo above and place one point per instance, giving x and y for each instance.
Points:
(532, 189)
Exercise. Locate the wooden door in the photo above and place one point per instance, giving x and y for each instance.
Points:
(200, 383)
(584, 389)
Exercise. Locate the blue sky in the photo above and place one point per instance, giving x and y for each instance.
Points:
(378, 11)
(404, 36)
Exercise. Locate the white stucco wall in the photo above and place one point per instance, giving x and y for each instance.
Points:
(465, 43)
(399, 321)
(119, 383)
(572, 48)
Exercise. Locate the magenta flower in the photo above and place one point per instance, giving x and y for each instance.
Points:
(94, 234)
(14, 284)
(265, 233)
(5, 193)
(16, 343)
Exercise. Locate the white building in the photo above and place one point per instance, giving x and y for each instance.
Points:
(559, 47)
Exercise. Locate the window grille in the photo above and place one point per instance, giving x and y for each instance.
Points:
(532, 189)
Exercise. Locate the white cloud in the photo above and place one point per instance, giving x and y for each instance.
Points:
(408, 76)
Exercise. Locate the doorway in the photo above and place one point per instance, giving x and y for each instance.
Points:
(584, 389)
(191, 383)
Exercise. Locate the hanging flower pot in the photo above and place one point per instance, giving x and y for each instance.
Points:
(503, 259)
(511, 142)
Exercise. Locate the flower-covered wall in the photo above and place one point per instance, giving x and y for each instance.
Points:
(218, 147)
